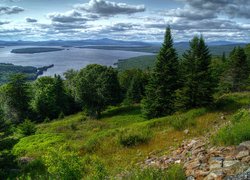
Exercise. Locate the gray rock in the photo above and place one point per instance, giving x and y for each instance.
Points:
(228, 163)
(245, 144)
(190, 178)
(216, 163)
(242, 154)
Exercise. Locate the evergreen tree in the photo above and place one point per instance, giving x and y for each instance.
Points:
(197, 81)
(16, 98)
(160, 91)
(239, 68)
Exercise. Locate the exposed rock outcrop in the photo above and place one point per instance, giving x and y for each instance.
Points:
(204, 161)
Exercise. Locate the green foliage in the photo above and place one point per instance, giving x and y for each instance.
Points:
(141, 62)
(94, 168)
(15, 98)
(133, 84)
(236, 74)
(50, 99)
(97, 87)
(27, 128)
(134, 136)
(7, 70)
(160, 91)
(175, 172)
(197, 82)
(236, 132)
(63, 164)
(35, 143)
(186, 120)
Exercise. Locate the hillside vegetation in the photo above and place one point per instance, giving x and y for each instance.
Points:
(100, 123)
(123, 137)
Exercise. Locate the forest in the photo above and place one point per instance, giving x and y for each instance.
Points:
(71, 127)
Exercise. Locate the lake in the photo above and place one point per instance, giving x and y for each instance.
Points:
(70, 58)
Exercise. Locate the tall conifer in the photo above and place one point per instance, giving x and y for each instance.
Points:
(160, 91)
(197, 81)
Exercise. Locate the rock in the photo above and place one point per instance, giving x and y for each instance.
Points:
(190, 178)
(228, 163)
(245, 144)
(201, 174)
(177, 162)
(241, 176)
(192, 164)
(242, 154)
(215, 175)
(215, 163)
(246, 159)
(186, 131)
(25, 160)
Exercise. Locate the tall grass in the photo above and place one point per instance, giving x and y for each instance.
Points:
(237, 131)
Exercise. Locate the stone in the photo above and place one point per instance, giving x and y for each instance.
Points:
(190, 178)
(192, 164)
(215, 163)
(228, 163)
(215, 175)
(246, 159)
(25, 160)
(242, 154)
(186, 131)
(177, 162)
(245, 144)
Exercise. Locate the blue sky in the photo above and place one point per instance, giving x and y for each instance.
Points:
(143, 20)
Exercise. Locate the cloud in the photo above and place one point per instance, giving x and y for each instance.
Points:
(4, 22)
(10, 10)
(68, 17)
(31, 20)
(231, 8)
(108, 8)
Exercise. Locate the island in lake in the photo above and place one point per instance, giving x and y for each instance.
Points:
(34, 50)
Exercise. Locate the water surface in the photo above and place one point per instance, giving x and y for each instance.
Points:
(70, 58)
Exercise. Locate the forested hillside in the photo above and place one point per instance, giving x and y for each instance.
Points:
(101, 123)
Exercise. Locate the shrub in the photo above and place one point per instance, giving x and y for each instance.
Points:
(94, 168)
(63, 164)
(134, 136)
(27, 128)
(236, 132)
(36, 143)
(175, 172)
(186, 120)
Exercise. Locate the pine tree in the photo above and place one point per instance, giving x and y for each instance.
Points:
(197, 87)
(160, 91)
(239, 68)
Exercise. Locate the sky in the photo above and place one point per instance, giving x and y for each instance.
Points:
(138, 20)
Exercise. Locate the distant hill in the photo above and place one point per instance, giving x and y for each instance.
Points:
(87, 42)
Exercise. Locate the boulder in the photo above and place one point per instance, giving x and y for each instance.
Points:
(242, 154)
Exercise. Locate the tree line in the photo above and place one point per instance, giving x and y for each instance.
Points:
(174, 84)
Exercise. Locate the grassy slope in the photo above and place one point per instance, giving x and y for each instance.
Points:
(100, 137)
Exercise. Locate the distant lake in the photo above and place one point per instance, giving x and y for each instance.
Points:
(70, 58)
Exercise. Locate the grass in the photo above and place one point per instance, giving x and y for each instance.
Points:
(122, 137)
(235, 132)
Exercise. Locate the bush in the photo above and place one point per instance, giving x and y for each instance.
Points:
(27, 128)
(134, 136)
(35, 143)
(63, 164)
(94, 168)
(186, 120)
(175, 172)
(236, 132)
